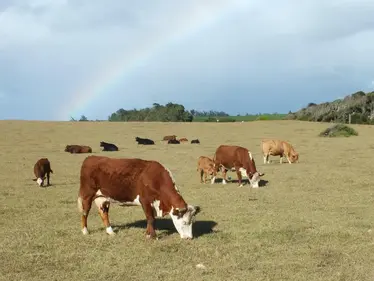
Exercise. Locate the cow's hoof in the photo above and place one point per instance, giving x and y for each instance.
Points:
(109, 230)
(85, 231)
(151, 237)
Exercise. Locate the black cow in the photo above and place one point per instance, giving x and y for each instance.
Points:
(195, 141)
(174, 142)
(144, 141)
(108, 146)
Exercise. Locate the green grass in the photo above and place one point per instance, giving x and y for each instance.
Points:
(312, 221)
(241, 118)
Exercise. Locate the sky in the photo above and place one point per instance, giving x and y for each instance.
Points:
(67, 58)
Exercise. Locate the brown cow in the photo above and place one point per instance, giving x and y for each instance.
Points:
(166, 138)
(231, 156)
(183, 140)
(205, 166)
(74, 148)
(42, 168)
(133, 182)
(278, 147)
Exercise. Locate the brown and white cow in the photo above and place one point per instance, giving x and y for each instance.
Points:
(172, 137)
(133, 182)
(183, 140)
(231, 156)
(205, 167)
(42, 168)
(74, 148)
(278, 148)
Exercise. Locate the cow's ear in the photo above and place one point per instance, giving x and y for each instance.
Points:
(179, 212)
(194, 210)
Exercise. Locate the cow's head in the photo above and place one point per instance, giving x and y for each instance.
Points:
(254, 178)
(40, 181)
(294, 157)
(101, 144)
(183, 220)
(67, 148)
(212, 171)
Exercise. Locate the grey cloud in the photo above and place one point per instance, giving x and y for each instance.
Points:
(302, 51)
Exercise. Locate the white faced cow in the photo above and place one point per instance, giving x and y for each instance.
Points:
(133, 182)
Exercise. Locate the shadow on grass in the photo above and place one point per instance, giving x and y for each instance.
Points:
(199, 228)
(244, 181)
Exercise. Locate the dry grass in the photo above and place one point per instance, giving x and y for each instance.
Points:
(312, 221)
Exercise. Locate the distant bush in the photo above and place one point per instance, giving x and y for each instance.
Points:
(339, 130)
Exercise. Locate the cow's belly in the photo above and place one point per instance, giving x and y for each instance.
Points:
(120, 199)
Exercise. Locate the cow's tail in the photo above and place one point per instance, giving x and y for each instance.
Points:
(51, 171)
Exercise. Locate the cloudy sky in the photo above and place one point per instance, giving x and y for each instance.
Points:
(62, 58)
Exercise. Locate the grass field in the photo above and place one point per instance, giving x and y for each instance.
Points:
(312, 221)
(245, 118)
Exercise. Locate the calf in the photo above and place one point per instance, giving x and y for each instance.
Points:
(42, 168)
(74, 148)
(183, 140)
(144, 141)
(108, 146)
(173, 142)
(133, 182)
(205, 166)
(278, 148)
(195, 141)
(231, 156)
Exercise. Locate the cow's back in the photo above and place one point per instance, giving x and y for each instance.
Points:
(226, 155)
(116, 178)
(272, 146)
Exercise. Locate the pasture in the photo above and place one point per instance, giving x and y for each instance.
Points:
(312, 221)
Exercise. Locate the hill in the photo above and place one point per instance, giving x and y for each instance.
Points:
(359, 105)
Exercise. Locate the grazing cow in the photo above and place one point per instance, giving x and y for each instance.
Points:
(42, 168)
(278, 148)
(108, 146)
(195, 141)
(231, 156)
(183, 140)
(144, 141)
(133, 182)
(74, 148)
(166, 138)
(205, 166)
(174, 142)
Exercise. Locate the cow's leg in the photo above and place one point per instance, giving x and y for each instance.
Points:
(281, 159)
(84, 206)
(224, 174)
(266, 158)
(288, 159)
(201, 176)
(103, 205)
(238, 173)
(205, 177)
(48, 184)
(148, 211)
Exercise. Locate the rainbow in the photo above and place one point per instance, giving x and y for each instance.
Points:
(191, 23)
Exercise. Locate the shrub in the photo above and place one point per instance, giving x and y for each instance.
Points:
(339, 130)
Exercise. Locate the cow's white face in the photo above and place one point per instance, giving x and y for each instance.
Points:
(39, 181)
(255, 180)
(183, 223)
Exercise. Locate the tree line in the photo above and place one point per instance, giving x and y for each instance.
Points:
(170, 112)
